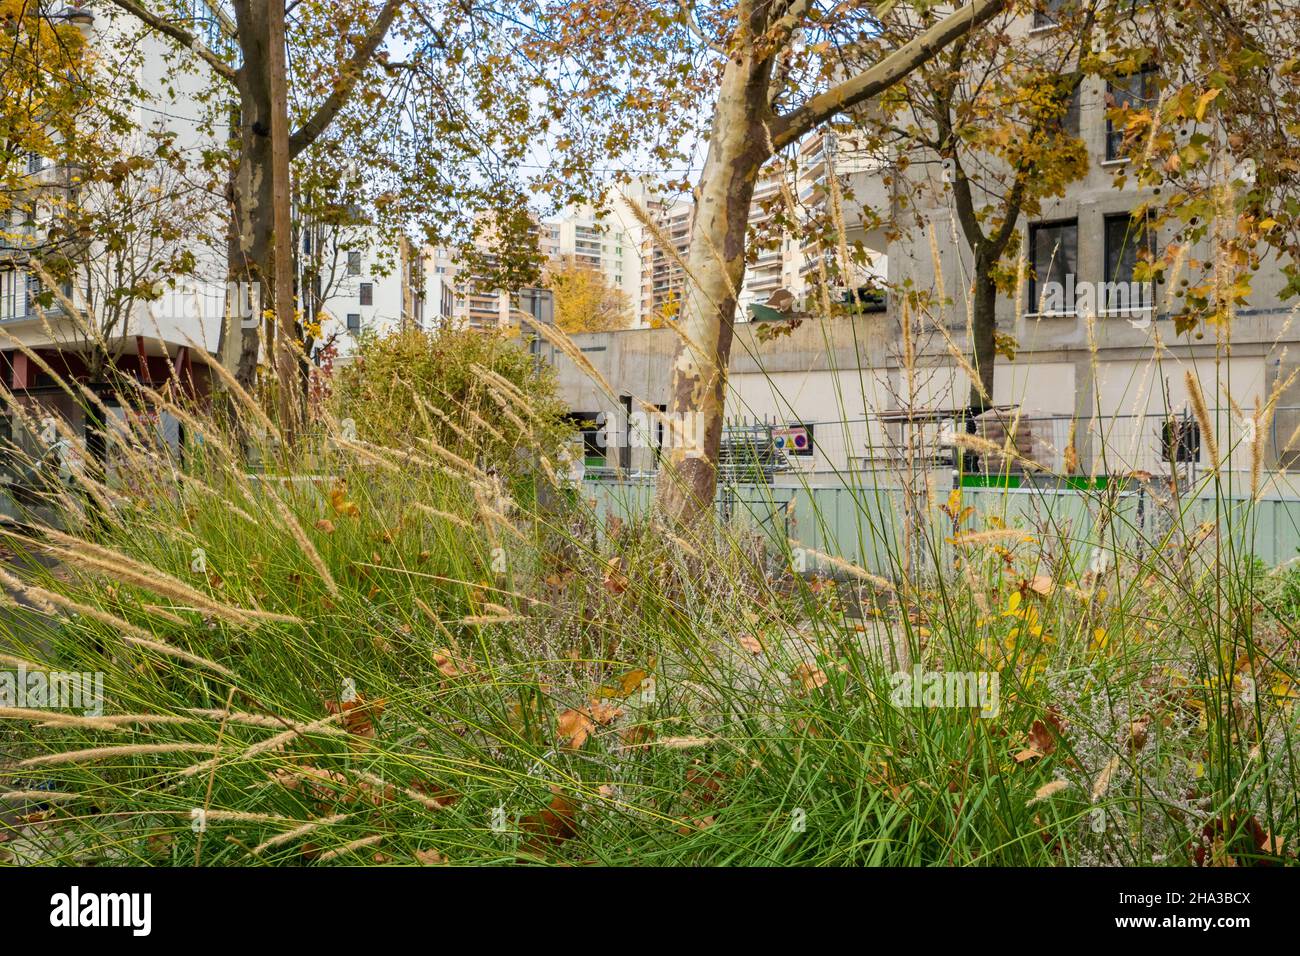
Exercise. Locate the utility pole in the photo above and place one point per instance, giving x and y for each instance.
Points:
(286, 362)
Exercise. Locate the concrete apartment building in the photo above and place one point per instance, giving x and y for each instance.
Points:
(1094, 381)
(151, 341)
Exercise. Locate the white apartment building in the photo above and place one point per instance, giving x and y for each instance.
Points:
(151, 340)
(378, 289)
(608, 244)
(792, 263)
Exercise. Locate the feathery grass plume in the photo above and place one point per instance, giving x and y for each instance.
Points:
(982, 445)
(909, 348)
(467, 469)
(260, 720)
(42, 796)
(117, 721)
(189, 480)
(508, 411)
(106, 753)
(679, 330)
(661, 239)
(557, 337)
(12, 661)
(50, 717)
(424, 404)
(1264, 423)
(304, 544)
(1070, 459)
(1155, 126)
(681, 543)
(196, 426)
(1203, 418)
(507, 397)
(1090, 334)
(245, 400)
(444, 515)
(129, 633)
(161, 612)
(507, 386)
(962, 362)
(240, 816)
(290, 835)
(271, 743)
(476, 421)
(97, 491)
(1256, 449)
(938, 268)
(847, 566)
(362, 451)
(837, 218)
(383, 786)
(994, 536)
(81, 553)
(352, 847)
(1022, 274)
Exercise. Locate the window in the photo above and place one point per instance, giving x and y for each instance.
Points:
(354, 322)
(1127, 241)
(35, 296)
(354, 263)
(1135, 91)
(1046, 12)
(1053, 258)
(12, 292)
(1070, 122)
(367, 293)
(592, 427)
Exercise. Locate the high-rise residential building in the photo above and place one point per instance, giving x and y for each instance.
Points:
(793, 261)
(604, 240)
(663, 279)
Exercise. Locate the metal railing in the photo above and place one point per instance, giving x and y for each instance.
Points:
(1062, 445)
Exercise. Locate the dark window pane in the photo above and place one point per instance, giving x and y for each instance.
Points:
(1135, 91)
(1054, 256)
(354, 322)
(1046, 12)
(1127, 241)
(354, 263)
(1071, 122)
(367, 293)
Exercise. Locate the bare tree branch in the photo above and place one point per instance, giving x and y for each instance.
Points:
(183, 37)
(350, 75)
(791, 127)
(688, 15)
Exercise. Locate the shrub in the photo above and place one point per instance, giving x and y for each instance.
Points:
(477, 394)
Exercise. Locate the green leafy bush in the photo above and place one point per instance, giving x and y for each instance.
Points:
(477, 394)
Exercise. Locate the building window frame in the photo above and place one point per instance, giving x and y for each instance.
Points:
(1143, 236)
(1054, 262)
(1118, 96)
